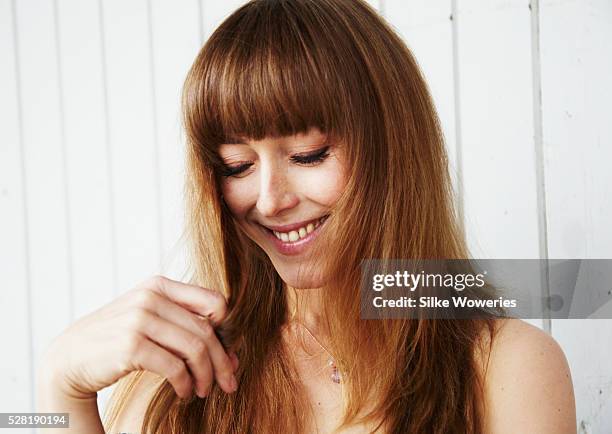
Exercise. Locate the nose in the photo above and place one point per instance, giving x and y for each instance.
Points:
(275, 191)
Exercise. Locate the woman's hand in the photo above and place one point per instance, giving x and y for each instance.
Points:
(162, 326)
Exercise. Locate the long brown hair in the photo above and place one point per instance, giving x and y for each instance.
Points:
(278, 68)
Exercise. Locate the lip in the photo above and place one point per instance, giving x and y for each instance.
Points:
(297, 247)
(292, 226)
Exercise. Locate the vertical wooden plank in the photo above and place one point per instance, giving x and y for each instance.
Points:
(496, 130)
(86, 154)
(577, 137)
(175, 30)
(132, 142)
(134, 157)
(16, 383)
(45, 182)
(426, 27)
(495, 83)
(576, 68)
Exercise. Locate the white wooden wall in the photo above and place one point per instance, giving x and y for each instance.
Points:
(91, 153)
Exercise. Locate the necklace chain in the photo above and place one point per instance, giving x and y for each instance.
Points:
(335, 376)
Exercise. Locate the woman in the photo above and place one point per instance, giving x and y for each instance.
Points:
(313, 143)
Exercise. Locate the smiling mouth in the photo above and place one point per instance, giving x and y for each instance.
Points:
(298, 234)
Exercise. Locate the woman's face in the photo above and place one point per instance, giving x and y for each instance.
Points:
(280, 190)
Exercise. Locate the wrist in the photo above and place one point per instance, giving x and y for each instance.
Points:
(52, 386)
(83, 413)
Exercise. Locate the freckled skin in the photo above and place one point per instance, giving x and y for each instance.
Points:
(276, 190)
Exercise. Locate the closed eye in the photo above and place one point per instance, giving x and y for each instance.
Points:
(308, 159)
(320, 155)
(228, 171)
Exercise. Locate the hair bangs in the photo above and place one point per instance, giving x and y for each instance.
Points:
(270, 71)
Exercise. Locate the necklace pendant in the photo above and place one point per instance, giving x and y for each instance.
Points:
(335, 376)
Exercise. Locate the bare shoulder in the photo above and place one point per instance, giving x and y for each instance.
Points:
(131, 415)
(528, 385)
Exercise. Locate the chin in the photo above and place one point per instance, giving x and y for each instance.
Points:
(299, 273)
(299, 277)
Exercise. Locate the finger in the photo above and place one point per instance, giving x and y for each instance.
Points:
(221, 362)
(223, 366)
(203, 301)
(151, 357)
(235, 361)
(171, 311)
(188, 346)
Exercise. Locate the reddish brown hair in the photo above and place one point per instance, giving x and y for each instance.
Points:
(277, 68)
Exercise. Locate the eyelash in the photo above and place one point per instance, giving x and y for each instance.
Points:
(307, 160)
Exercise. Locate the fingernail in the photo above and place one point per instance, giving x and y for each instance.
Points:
(233, 384)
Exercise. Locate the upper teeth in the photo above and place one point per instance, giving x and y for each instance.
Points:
(297, 234)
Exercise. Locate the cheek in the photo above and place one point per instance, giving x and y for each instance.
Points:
(323, 186)
(239, 196)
